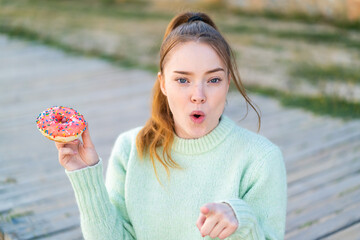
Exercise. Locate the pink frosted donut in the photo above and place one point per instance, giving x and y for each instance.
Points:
(61, 124)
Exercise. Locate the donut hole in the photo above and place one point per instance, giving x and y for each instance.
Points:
(61, 119)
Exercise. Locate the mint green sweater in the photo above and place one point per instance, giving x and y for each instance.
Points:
(230, 164)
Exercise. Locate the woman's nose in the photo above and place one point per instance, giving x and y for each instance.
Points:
(198, 94)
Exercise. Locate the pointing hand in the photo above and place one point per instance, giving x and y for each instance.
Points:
(217, 220)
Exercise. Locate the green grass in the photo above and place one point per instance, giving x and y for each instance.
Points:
(319, 105)
(300, 17)
(298, 211)
(127, 10)
(340, 37)
(350, 190)
(308, 224)
(34, 36)
(10, 180)
(12, 215)
(330, 72)
(137, 10)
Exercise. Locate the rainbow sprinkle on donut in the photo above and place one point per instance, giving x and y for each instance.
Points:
(61, 124)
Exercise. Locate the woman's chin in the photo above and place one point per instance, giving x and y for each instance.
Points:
(193, 131)
(198, 133)
(192, 134)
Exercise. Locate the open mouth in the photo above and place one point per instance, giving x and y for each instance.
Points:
(197, 116)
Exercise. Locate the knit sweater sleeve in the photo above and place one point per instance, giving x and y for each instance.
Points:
(261, 209)
(102, 212)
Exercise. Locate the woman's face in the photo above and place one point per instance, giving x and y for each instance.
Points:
(196, 83)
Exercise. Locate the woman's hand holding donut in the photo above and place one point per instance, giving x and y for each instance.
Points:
(76, 154)
(217, 220)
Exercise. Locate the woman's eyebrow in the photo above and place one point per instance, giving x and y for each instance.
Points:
(210, 71)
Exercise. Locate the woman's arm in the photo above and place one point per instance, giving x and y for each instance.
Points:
(99, 217)
(261, 209)
(102, 209)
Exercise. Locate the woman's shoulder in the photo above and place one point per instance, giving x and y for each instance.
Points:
(130, 133)
(253, 141)
(128, 137)
(259, 149)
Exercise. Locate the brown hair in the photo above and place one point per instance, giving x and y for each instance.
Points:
(159, 129)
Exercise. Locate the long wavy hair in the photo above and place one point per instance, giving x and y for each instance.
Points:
(158, 132)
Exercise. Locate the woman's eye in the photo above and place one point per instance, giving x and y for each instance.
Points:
(215, 80)
(181, 80)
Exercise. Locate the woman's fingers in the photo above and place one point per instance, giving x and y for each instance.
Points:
(217, 229)
(209, 225)
(69, 157)
(59, 145)
(77, 154)
(69, 164)
(226, 232)
(67, 151)
(66, 144)
(200, 221)
(217, 220)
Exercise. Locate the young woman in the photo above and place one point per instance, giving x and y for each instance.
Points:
(226, 182)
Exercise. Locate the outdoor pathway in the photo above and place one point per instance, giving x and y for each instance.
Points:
(322, 154)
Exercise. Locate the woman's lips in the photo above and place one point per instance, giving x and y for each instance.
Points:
(197, 116)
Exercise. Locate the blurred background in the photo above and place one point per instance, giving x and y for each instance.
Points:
(305, 53)
(299, 61)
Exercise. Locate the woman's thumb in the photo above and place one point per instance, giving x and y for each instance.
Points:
(86, 137)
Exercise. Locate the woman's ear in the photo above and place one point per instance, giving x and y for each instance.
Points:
(162, 83)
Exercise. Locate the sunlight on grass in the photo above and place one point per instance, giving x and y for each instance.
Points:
(330, 72)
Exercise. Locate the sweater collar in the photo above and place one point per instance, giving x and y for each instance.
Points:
(206, 142)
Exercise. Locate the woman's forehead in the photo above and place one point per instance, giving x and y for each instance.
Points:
(193, 57)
